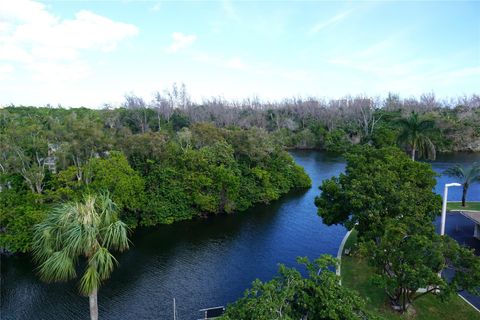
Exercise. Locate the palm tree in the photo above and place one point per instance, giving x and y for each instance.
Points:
(89, 229)
(415, 134)
(468, 174)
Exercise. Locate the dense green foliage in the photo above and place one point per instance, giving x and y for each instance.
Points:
(55, 155)
(378, 185)
(415, 134)
(291, 296)
(89, 229)
(389, 198)
(410, 255)
(357, 275)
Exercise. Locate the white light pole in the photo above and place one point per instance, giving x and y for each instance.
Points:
(444, 206)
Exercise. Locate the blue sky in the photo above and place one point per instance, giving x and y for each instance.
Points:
(93, 52)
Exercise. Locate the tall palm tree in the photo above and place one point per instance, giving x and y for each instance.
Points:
(89, 229)
(468, 174)
(415, 134)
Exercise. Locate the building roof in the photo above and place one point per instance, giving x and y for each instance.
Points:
(472, 215)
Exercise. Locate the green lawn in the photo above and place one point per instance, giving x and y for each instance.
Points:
(475, 206)
(356, 273)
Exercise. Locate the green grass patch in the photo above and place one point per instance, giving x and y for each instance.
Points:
(473, 205)
(356, 274)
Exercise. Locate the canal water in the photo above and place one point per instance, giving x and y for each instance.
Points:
(202, 263)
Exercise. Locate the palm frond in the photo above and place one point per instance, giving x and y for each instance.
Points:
(104, 263)
(74, 239)
(426, 125)
(455, 171)
(403, 123)
(89, 228)
(108, 209)
(90, 239)
(404, 136)
(90, 281)
(427, 148)
(415, 134)
(42, 245)
(58, 267)
(115, 236)
(468, 174)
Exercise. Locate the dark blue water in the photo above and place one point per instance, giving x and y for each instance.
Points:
(200, 263)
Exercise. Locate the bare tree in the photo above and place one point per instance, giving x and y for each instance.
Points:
(365, 114)
(138, 110)
(162, 107)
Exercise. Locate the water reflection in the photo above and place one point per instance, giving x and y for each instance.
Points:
(200, 263)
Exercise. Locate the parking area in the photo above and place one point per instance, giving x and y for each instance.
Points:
(461, 228)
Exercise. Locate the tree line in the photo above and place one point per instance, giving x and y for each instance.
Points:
(306, 122)
(140, 165)
(182, 171)
(316, 123)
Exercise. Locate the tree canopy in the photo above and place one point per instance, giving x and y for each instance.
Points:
(90, 229)
(182, 171)
(389, 199)
(378, 185)
(290, 295)
(415, 133)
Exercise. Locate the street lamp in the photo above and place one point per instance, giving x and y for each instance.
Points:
(444, 206)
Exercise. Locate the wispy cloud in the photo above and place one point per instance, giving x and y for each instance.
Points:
(33, 38)
(264, 69)
(329, 22)
(181, 41)
(385, 66)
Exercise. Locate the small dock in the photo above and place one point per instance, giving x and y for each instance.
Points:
(212, 313)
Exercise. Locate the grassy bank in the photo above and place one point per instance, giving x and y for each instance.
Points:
(356, 274)
(473, 206)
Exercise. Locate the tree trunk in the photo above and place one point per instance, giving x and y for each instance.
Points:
(464, 194)
(93, 305)
(413, 153)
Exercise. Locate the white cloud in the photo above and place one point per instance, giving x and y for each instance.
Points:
(46, 45)
(181, 41)
(330, 22)
(55, 72)
(14, 53)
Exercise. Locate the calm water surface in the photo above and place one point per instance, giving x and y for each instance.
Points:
(200, 263)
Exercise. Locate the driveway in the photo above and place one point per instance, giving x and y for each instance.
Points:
(461, 228)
